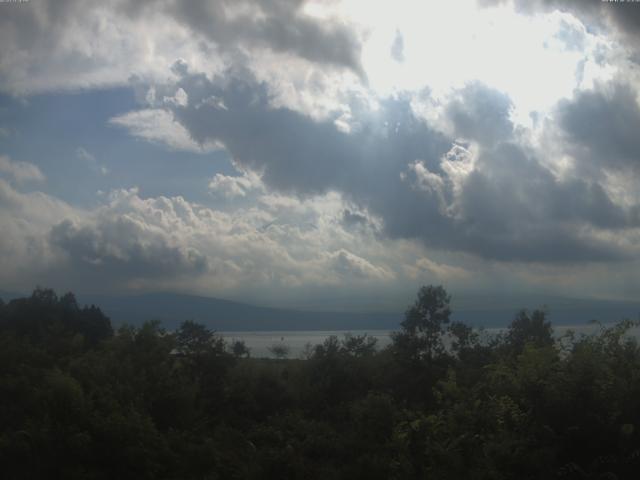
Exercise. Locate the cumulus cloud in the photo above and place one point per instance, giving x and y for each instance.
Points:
(495, 199)
(274, 248)
(280, 25)
(21, 172)
(232, 186)
(26, 218)
(514, 208)
(46, 46)
(623, 18)
(126, 247)
(601, 126)
(479, 113)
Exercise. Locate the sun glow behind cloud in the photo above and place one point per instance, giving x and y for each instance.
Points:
(449, 44)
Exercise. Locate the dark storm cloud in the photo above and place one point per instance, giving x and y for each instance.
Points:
(513, 208)
(297, 154)
(119, 247)
(280, 25)
(32, 30)
(510, 207)
(602, 126)
(48, 38)
(482, 114)
(33, 23)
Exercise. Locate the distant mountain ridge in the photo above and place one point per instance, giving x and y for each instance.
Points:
(226, 315)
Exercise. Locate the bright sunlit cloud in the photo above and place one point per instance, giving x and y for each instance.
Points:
(446, 45)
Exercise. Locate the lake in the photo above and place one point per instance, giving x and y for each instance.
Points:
(259, 342)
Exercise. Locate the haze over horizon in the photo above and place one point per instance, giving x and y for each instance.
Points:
(330, 154)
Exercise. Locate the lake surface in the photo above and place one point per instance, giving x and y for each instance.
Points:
(259, 342)
(297, 341)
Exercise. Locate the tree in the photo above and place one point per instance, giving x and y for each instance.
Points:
(330, 348)
(239, 349)
(422, 328)
(529, 328)
(68, 301)
(195, 339)
(48, 319)
(279, 350)
(359, 345)
(462, 337)
(44, 296)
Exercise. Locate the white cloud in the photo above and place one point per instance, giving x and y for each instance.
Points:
(49, 45)
(159, 126)
(427, 267)
(180, 98)
(248, 249)
(25, 220)
(274, 249)
(347, 264)
(235, 186)
(21, 172)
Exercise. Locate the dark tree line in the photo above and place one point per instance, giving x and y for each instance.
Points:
(78, 400)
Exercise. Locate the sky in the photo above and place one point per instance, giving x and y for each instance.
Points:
(321, 154)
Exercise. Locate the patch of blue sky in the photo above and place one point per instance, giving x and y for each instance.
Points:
(49, 130)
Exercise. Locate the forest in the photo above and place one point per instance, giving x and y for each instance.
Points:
(79, 400)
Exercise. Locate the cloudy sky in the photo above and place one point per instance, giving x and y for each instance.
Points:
(321, 154)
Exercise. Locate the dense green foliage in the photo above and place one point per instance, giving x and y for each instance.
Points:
(78, 400)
